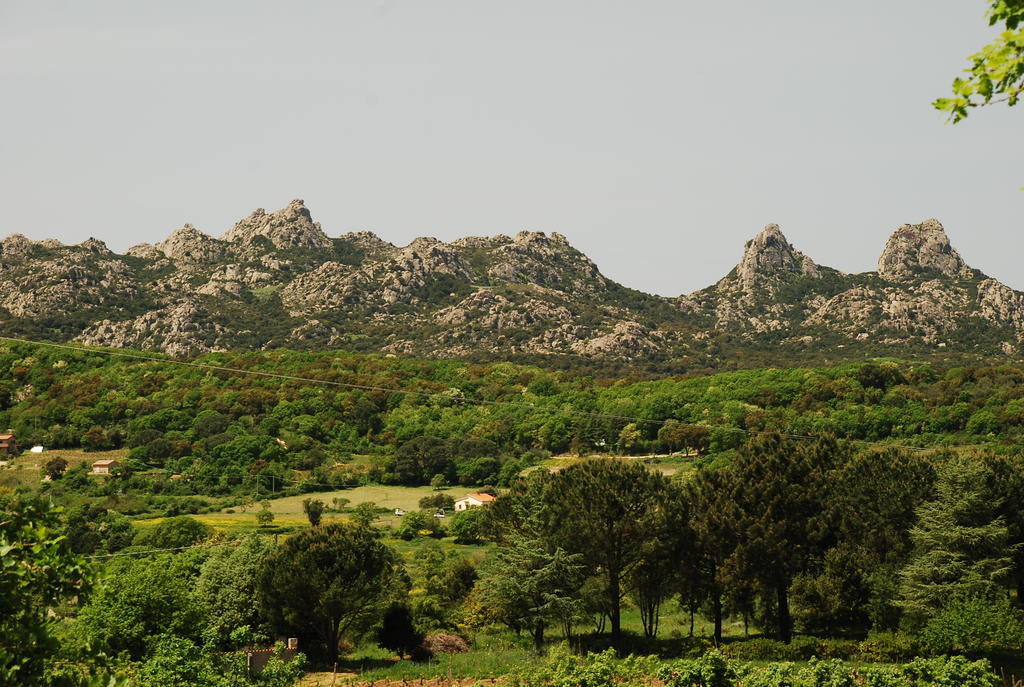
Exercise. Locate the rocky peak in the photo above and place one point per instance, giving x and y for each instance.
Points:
(145, 250)
(914, 248)
(368, 242)
(95, 246)
(16, 245)
(769, 254)
(188, 244)
(289, 227)
(527, 238)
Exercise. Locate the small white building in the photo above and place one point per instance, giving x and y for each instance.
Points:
(37, 449)
(399, 511)
(474, 501)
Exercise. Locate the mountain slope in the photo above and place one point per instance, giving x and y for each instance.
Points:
(277, 280)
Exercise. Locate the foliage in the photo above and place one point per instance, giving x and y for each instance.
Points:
(996, 73)
(710, 670)
(175, 533)
(529, 583)
(55, 467)
(604, 510)
(140, 600)
(397, 632)
(975, 625)
(314, 510)
(37, 570)
(466, 526)
(264, 516)
(960, 543)
(326, 583)
(778, 491)
(226, 587)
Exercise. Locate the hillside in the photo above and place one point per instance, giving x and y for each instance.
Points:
(277, 280)
(475, 424)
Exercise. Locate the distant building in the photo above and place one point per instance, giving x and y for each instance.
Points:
(103, 467)
(474, 501)
(256, 659)
(8, 445)
(37, 449)
(399, 511)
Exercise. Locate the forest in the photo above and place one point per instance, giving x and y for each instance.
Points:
(859, 524)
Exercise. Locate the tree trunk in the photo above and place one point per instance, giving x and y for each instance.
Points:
(691, 619)
(538, 636)
(717, 606)
(615, 596)
(785, 622)
(332, 637)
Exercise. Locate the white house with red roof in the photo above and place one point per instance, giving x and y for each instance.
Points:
(474, 501)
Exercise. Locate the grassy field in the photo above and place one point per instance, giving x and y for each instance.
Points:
(27, 468)
(667, 464)
(289, 516)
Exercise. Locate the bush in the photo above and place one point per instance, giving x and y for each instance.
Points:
(888, 647)
(710, 670)
(974, 625)
(763, 650)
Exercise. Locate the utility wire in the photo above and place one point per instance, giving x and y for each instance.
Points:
(435, 394)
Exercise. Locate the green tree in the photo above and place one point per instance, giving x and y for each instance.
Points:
(414, 524)
(94, 529)
(603, 509)
(961, 544)
(778, 491)
(710, 510)
(37, 571)
(264, 516)
(55, 467)
(528, 582)
(328, 582)
(173, 533)
(142, 599)
(656, 577)
(466, 526)
(314, 510)
(178, 662)
(397, 632)
(419, 460)
(226, 587)
(364, 514)
(996, 73)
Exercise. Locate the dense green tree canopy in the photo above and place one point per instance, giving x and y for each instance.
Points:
(327, 582)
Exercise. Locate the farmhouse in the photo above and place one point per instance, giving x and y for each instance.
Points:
(8, 446)
(103, 467)
(474, 501)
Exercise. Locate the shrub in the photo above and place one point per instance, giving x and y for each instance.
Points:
(974, 624)
(888, 647)
(710, 670)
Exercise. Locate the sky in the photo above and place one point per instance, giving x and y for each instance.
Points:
(657, 136)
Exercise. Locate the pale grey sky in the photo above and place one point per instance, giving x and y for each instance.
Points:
(657, 136)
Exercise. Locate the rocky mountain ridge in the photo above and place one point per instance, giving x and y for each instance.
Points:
(278, 280)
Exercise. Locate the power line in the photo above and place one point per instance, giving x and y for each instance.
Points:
(434, 394)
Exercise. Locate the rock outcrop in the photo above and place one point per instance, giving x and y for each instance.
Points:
(916, 249)
(276, 279)
(290, 227)
(768, 256)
